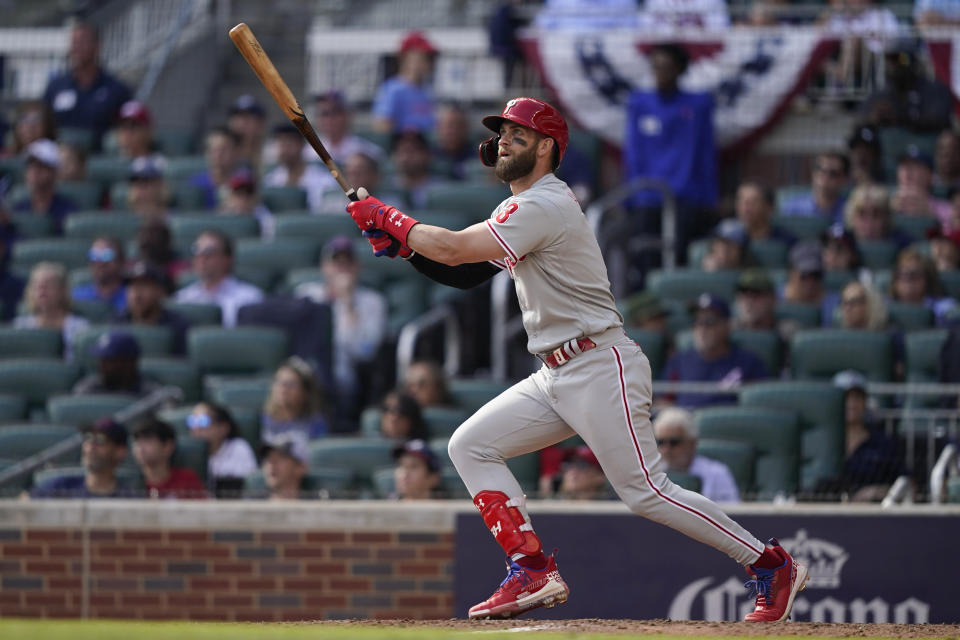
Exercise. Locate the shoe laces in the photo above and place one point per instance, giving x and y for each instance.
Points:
(514, 571)
(759, 586)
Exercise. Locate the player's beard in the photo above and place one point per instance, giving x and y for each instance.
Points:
(510, 168)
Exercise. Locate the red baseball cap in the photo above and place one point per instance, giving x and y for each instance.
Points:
(416, 41)
(583, 454)
(136, 112)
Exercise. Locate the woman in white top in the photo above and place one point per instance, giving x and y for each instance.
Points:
(231, 457)
(48, 302)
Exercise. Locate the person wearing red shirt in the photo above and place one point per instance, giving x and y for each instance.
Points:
(154, 442)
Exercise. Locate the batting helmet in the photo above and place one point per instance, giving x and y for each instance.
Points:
(530, 112)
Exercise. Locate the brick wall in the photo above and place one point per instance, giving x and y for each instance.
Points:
(221, 573)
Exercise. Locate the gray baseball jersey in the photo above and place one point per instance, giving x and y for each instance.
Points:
(556, 264)
(602, 394)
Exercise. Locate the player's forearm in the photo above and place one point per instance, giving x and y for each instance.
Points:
(441, 245)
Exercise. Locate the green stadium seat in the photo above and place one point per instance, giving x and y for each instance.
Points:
(238, 350)
(910, 317)
(805, 316)
(197, 315)
(774, 433)
(738, 456)
(914, 227)
(87, 225)
(951, 282)
(685, 285)
(923, 363)
(470, 394)
(477, 200)
(894, 141)
(820, 408)
(452, 484)
(174, 142)
(526, 469)
(86, 408)
(653, 344)
(696, 250)
(12, 167)
(370, 422)
(128, 477)
(176, 372)
(687, 481)
(953, 490)
(439, 447)
(13, 488)
(30, 343)
(361, 456)
(837, 280)
(188, 196)
(318, 229)
(766, 345)
(83, 139)
(70, 252)
(825, 352)
(13, 408)
(878, 254)
(770, 254)
(275, 258)
(185, 227)
(789, 192)
(333, 482)
(280, 199)
(383, 483)
(19, 441)
(240, 392)
(37, 378)
(802, 227)
(83, 193)
(443, 421)
(154, 340)
(406, 299)
(31, 226)
(191, 453)
(296, 277)
(107, 169)
(93, 310)
(179, 167)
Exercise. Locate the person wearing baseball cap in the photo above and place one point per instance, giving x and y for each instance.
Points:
(866, 155)
(755, 303)
(104, 449)
(293, 170)
(247, 119)
(644, 310)
(945, 248)
(727, 248)
(333, 122)
(416, 475)
(147, 193)
(118, 356)
(946, 163)
(840, 252)
(40, 177)
(135, 130)
(405, 101)
(583, 477)
(243, 199)
(805, 278)
(713, 356)
(285, 461)
(913, 195)
(147, 290)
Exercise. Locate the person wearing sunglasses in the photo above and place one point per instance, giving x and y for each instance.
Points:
(916, 281)
(104, 449)
(828, 183)
(676, 434)
(231, 458)
(107, 263)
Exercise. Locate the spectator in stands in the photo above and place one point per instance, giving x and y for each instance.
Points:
(582, 477)
(155, 245)
(411, 156)
(135, 130)
(118, 368)
(231, 459)
(862, 307)
(859, 25)
(677, 435)
(755, 305)
(359, 169)
(933, 13)
(945, 249)
(868, 216)
(405, 102)
(908, 99)
(104, 449)
(427, 383)
(453, 148)
(243, 199)
(285, 461)
(222, 151)
(48, 305)
(872, 461)
(34, 121)
(11, 285)
(915, 281)
(213, 264)
(645, 311)
(805, 280)
(401, 418)
(359, 317)
(828, 183)
(73, 163)
(147, 288)
(946, 162)
(587, 15)
(295, 402)
(416, 475)
(670, 16)
(292, 169)
(713, 358)
(42, 199)
(248, 122)
(331, 117)
(147, 193)
(681, 121)
(85, 96)
(754, 205)
(840, 252)
(107, 264)
(502, 27)
(866, 156)
(913, 195)
(154, 443)
(727, 248)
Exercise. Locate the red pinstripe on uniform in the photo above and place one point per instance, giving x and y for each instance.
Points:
(643, 465)
(501, 241)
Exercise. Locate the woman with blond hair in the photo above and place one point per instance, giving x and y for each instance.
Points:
(869, 216)
(294, 403)
(862, 307)
(48, 302)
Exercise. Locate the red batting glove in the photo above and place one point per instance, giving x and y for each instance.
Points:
(369, 214)
(384, 244)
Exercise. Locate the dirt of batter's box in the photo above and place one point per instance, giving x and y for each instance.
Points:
(691, 628)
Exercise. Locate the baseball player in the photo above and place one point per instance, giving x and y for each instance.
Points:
(594, 381)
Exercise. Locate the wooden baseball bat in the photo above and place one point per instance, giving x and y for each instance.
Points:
(260, 62)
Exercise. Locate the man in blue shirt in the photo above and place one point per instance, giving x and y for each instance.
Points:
(670, 137)
(42, 199)
(104, 448)
(85, 96)
(713, 358)
(106, 270)
(828, 189)
(405, 101)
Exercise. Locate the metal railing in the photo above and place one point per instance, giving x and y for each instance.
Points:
(410, 333)
(945, 467)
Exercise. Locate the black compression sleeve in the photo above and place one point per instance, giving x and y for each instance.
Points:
(463, 276)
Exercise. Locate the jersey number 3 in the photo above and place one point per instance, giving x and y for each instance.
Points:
(507, 212)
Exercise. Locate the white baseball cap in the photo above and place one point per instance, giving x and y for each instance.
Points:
(44, 151)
